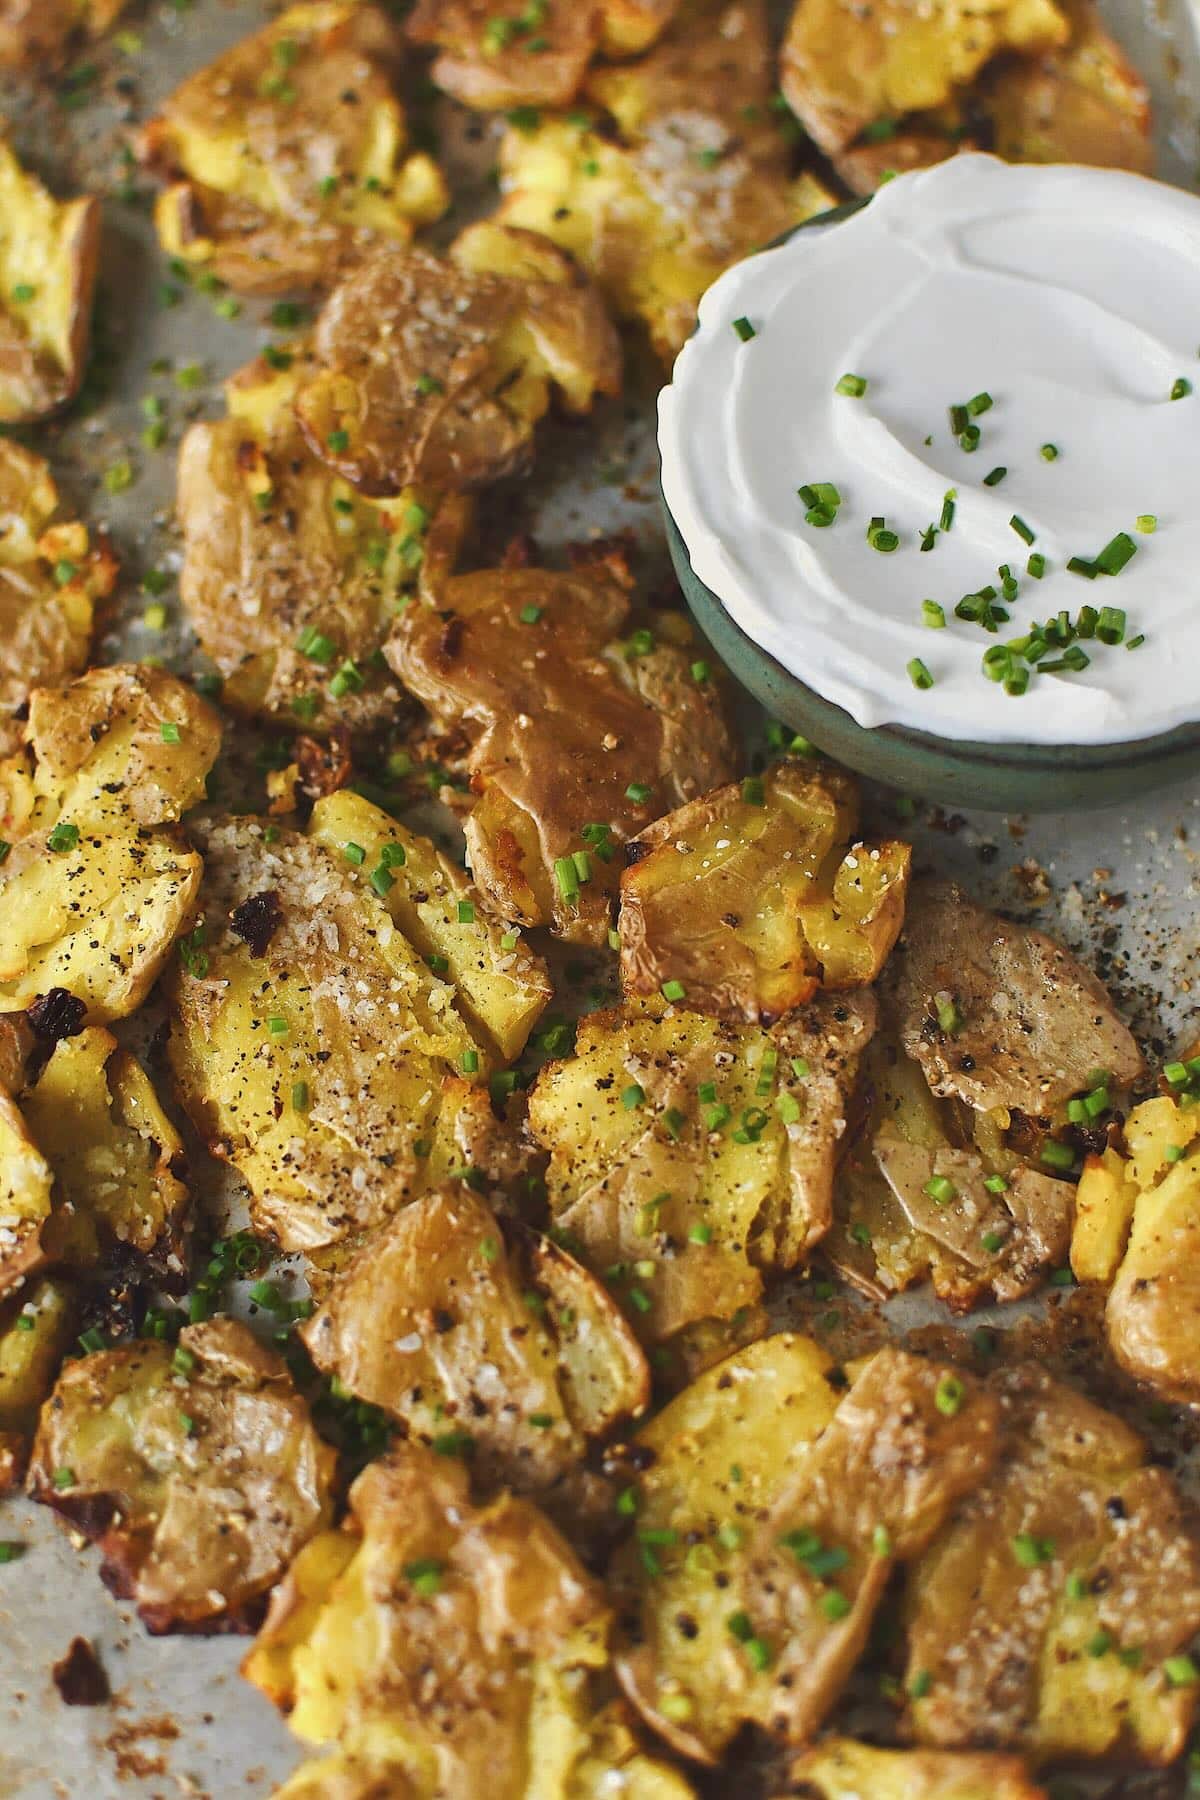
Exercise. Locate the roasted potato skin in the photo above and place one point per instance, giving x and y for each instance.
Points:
(197, 1471)
(839, 1768)
(820, 1473)
(29, 1357)
(241, 140)
(1084, 103)
(36, 34)
(486, 66)
(46, 623)
(1004, 1639)
(434, 373)
(445, 1291)
(53, 250)
(736, 896)
(1154, 1302)
(566, 729)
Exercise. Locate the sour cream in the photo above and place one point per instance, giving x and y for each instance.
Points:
(1069, 297)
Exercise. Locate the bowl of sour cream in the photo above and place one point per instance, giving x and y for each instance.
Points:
(932, 475)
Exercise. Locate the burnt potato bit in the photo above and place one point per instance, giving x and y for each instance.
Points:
(1000, 1015)
(36, 34)
(195, 1468)
(454, 1323)
(49, 256)
(758, 894)
(287, 157)
(845, 70)
(432, 1626)
(696, 174)
(292, 579)
(333, 1069)
(54, 580)
(690, 1159)
(577, 739)
(771, 1517)
(435, 373)
(1054, 1612)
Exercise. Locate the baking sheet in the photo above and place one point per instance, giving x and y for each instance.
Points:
(1123, 887)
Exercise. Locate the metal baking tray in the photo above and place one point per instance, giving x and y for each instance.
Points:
(1124, 887)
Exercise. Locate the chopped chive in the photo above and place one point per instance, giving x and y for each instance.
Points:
(940, 1191)
(1057, 1156)
(300, 1096)
(994, 477)
(1022, 529)
(947, 518)
(992, 1241)
(1135, 643)
(933, 615)
(529, 615)
(1050, 452)
(744, 329)
(354, 853)
(673, 990)
(168, 731)
(996, 1184)
(1180, 388)
(567, 877)
(949, 1396)
(638, 792)
(979, 403)
(1079, 565)
(918, 674)
(1110, 626)
(382, 880)
(1119, 550)
(853, 385)
(1146, 523)
(969, 439)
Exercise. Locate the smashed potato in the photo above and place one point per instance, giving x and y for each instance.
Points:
(839, 1768)
(35, 34)
(311, 1043)
(768, 1524)
(1000, 1015)
(291, 578)
(196, 1470)
(434, 374)
(688, 1156)
(36, 1331)
(751, 898)
(845, 68)
(287, 156)
(697, 176)
(53, 581)
(49, 256)
(1053, 1613)
(501, 988)
(433, 1624)
(576, 739)
(1082, 104)
(455, 1325)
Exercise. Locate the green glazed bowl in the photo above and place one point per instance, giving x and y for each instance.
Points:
(953, 771)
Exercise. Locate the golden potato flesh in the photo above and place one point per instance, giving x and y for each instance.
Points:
(37, 1329)
(697, 177)
(1000, 1015)
(287, 155)
(114, 1155)
(429, 1624)
(292, 579)
(501, 987)
(922, 1197)
(435, 374)
(688, 1156)
(845, 68)
(768, 1524)
(311, 1041)
(49, 253)
(751, 898)
(842, 1769)
(53, 579)
(458, 1328)
(1054, 1613)
(1085, 103)
(35, 34)
(196, 1469)
(576, 739)
(26, 1198)
(1154, 1304)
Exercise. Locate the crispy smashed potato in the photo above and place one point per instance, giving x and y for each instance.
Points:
(846, 68)
(196, 1470)
(101, 881)
(287, 155)
(1082, 104)
(455, 1325)
(291, 578)
(769, 1521)
(752, 898)
(433, 1625)
(36, 1331)
(1000, 1015)
(312, 1043)
(576, 739)
(501, 988)
(698, 175)
(26, 1198)
(35, 34)
(841, 1769)
(434, 374)
(53, 581)
(1151, 1198)
(1052, 1614)
(688, 1156)
(49, 255)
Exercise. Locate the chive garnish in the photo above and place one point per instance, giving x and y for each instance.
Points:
(994, 477)
(947, 518)
(1110, 627)
(933, 615)
(918, 674)
(1022, 529)
(744, 329)
(1079, 565)
(969, 439)
(1116, 553)
(1050, 452)
(853, 385)
(1180, 388)
(979, 403)
(1146, 523)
